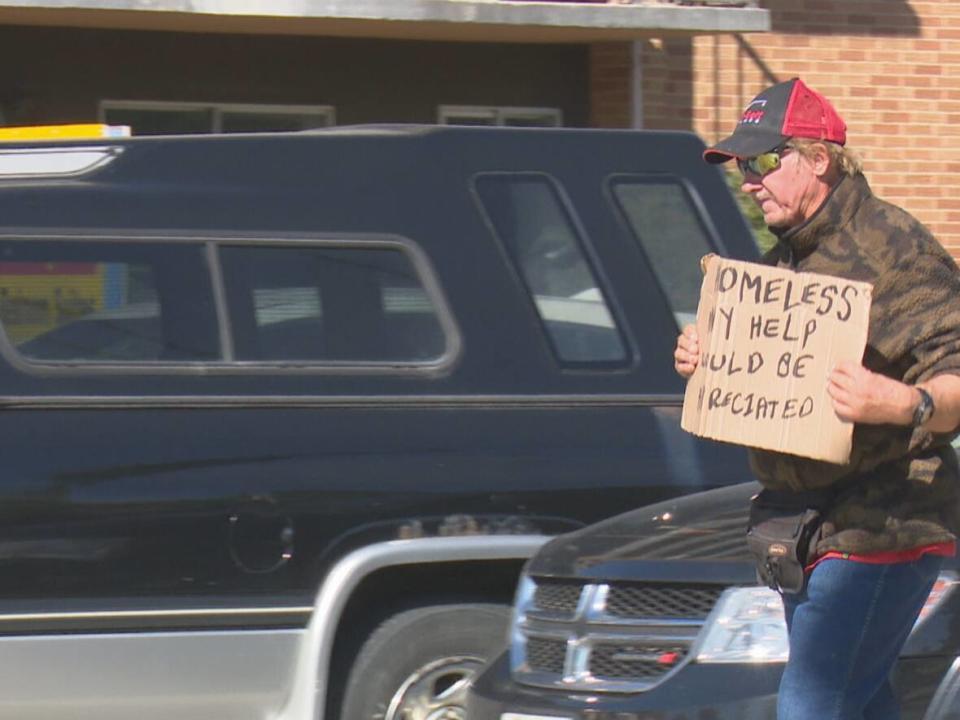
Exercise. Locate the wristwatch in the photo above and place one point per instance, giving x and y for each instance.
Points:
(924, 409)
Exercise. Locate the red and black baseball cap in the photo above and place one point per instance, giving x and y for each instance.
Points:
(786, 110)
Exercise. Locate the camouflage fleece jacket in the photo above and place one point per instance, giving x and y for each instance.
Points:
(901, 488)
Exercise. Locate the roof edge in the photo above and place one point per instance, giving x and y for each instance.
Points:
(385, 18)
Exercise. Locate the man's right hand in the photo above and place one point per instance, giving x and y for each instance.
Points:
(686, 356)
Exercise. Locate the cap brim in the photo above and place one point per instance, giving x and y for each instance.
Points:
(745, 142)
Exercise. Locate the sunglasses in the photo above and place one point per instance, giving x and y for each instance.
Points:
(760, 165)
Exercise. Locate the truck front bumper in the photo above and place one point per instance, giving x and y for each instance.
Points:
(695, 692)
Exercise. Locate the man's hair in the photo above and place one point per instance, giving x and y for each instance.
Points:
(844, 160)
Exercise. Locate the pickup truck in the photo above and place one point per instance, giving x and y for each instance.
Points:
(284, 415)
(657, 614)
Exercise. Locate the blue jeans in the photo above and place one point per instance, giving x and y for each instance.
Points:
(847, 628)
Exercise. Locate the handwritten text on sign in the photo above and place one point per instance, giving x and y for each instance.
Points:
(769, 338)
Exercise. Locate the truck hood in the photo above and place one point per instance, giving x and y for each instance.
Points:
(704, 532)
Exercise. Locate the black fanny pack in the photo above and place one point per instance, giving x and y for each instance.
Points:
(783, 533)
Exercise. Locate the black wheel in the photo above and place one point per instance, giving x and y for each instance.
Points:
(418, 664)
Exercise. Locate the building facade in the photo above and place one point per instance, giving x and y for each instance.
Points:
(891, 67)
(207, 65)
(202, 65)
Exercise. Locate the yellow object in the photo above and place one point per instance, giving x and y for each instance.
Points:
(81, 131)
(36, 297)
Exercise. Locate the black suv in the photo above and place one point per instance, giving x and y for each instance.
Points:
(656, 615)
(284, 415)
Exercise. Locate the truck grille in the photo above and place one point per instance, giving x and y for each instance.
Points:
(618, 637)
(545, 655)
(649, 601)
(558, 597)
(630, 661)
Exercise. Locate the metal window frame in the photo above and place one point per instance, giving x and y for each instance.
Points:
(631, 350)
(695, 202)
(218, 110)
(498, 113)
(228, 365)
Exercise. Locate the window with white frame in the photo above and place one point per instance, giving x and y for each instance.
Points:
(148, 117)
(493, 115)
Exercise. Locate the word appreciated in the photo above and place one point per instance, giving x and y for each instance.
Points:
(769, 338)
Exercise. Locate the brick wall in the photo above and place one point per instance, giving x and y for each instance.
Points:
(666, 79)
(611, 98)
(891, 68)
(667, 76)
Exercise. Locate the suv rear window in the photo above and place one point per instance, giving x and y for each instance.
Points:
(536, 228)
(107, 302)
(336, 304)
(83, 302)
(667, 224)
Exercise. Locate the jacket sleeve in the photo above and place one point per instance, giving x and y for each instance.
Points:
(916, 327)
(915, 324)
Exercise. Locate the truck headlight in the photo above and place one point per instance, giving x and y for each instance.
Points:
(747, 625)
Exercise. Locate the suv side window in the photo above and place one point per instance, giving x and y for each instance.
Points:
(72, 302)
(337, 304)
(531, 221)
(86, 301)
(667, 224)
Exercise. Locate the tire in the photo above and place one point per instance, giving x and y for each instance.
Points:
(418, 664)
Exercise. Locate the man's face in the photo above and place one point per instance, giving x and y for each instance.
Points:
(787, 195)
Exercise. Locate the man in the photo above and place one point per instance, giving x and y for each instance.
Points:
(893, 511)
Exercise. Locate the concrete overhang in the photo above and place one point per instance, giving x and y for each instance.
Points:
(442, 20)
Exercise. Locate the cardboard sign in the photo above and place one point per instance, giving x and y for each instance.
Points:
(769, 338)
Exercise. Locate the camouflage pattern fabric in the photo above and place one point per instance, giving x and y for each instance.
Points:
(901, 488)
